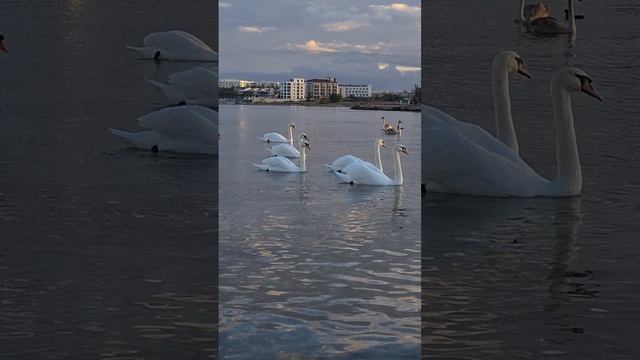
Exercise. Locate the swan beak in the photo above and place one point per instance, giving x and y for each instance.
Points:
(589, 90)
(3, 47)
(384, 146)
(524, 73)
(405, 151)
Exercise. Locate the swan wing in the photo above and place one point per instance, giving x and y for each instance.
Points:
(285, 150)
(182, 122)
(180, 45)
(279, 163)
(343, 161)
(453, 163)
(196, 83)
(274, 137)
(363, 174)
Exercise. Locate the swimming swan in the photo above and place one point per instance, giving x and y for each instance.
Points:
(282, 164)
(453, 164)
(342, 162)
(277, 138)
(189, 129)
(287, 150)
(174, 45)
(551, 26)
(360, 173)
(197, 86)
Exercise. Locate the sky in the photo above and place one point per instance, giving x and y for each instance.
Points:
(357, 41)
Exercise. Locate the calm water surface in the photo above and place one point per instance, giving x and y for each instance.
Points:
(105, 252)
(310, 268)
(538, 278)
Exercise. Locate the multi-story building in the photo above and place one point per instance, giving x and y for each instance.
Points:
(293, 89)
(234, 83)
(359, 91)
(321, 88)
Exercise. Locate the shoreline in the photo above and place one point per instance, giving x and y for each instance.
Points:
(379, 106)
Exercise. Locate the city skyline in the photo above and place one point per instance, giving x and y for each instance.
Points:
(376, 44)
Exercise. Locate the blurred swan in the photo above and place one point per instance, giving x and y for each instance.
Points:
(551, 26)
(393, 130)
(277, 138)
(197, 86)
(282, 164)
(342, 162)
(453, 164)
(533, 11)
(287, 150)
(174, 45)
(189, 129)
(360, 173)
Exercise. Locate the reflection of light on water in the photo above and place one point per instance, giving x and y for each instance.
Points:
(240, 118)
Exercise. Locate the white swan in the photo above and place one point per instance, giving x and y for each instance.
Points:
(187, 129)
(551, 26)
(174, 45)
(277, 138)
(505, 63)
(342, 162)
(282, 164)
(360, 173)
(453, 164)
(197, 86)
(287, 150)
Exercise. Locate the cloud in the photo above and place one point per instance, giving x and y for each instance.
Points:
(407, 69)
(254, 29)
(344, 25)
(313, 46)
(396, 8)
(224, 4)
(382, 66)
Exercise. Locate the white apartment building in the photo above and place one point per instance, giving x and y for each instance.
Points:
(360, 91)
(293, 89)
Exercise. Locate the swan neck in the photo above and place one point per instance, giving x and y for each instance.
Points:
(572, 16)
(378, 158)
(505, 131)
(522, 17)
(290, 135)
(397, 167)
(569, 177)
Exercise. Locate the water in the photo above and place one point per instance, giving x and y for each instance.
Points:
(106, 252)
(537, 278)
(310, 268)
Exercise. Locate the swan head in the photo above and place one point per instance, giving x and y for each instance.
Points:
(304, 137)
(380, 143)
(512, 62)
(3, 47)
(292, 125)
(576, 80)
(401, 149)
(305, 144)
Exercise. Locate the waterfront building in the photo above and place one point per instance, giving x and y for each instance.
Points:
(321, 88)
(359, 91)
(293, 89)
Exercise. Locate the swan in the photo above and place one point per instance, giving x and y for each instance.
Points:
(277, 138)
(287, 150)
(551, 26)
(282, 164)
(393, 131)
(453, 164)
(187, 129)
(3, 47)
(531, 12)
(197, 86)
(342, 162)
(385, 124)
(505, 63)
(174, 45)
(360, 173)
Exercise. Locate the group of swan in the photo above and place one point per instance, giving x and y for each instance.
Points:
(348, 168)
(538, 20)
(463, 158)
(389, 129)
(191, 127)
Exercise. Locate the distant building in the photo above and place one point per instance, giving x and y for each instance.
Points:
(234, 83)
(321, 88)
(359, 91)
(293, 89)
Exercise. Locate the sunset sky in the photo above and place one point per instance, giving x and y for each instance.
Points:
(357, 42)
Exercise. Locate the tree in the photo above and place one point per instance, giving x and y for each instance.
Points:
(335, 98)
